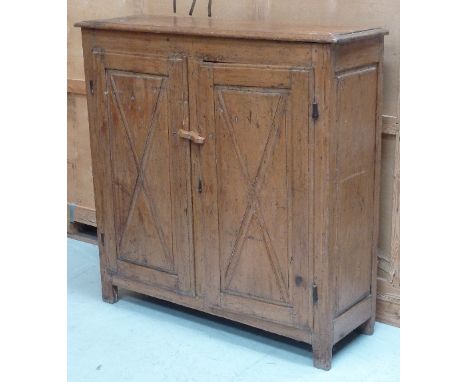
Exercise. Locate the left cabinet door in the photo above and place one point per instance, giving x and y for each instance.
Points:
(140, 104)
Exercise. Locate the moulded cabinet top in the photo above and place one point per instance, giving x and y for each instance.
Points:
(258, 30)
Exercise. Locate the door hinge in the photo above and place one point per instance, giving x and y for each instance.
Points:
(314, 293)
(315, 111)
(91, 86)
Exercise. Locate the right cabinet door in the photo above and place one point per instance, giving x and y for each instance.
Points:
(254, 186)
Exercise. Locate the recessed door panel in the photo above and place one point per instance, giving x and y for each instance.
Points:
(257, 123)
(145, 100)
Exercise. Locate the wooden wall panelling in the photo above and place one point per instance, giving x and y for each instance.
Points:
(388, 297)
(76, 87)
(80, 194)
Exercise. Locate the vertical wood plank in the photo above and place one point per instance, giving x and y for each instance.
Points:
(197, 201)
(79, 174)
(395, 241)
(208, 182)
(369, 327)
(302, 86)
(262, 9)
(180, 174)
(99, 138)
(321, 273)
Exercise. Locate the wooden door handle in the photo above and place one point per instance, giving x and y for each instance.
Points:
(191, 136)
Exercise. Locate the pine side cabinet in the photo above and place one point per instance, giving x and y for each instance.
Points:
(236, 169)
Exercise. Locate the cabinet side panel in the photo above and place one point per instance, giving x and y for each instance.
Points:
(356, 126)
(99, 144)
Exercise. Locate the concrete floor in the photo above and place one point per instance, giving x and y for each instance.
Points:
(144, 339)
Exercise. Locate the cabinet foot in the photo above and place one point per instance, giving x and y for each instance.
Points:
(322, 354)
(110, 293)
(368, 327)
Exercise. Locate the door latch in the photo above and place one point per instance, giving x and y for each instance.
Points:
(314, 293)
(315, 111)
(191, 136)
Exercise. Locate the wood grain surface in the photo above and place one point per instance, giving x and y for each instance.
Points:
(273, 219)
(193, 26)
(356, 13)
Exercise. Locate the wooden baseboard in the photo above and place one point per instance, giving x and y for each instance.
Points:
(76, 87)
(388, 312)
(81, 223)
(81, 214)
(388, 303)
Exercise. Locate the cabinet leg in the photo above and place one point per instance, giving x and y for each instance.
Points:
(110, 293)
(368, 327)
(322, 354)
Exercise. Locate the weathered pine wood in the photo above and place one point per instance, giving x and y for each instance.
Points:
(395, 243)
(388, 302)
(368, 326)
(192, 26)
(99, 137)
(324, 12)
(80, 196)
(356, 12)
(251, 169)
(388, 297)
(240, 184)
(355, 184)
(76, 87)
(323, 163)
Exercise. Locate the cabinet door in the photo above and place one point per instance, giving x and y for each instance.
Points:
(144, 104)
(254, 177)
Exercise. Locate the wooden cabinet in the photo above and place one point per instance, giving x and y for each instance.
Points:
(236, 169)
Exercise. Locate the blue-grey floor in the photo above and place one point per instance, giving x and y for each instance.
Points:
(144, 339)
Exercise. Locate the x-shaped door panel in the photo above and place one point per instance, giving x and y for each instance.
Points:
(140, 142)
(254, 183)
(254, 166)
(145, 102)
